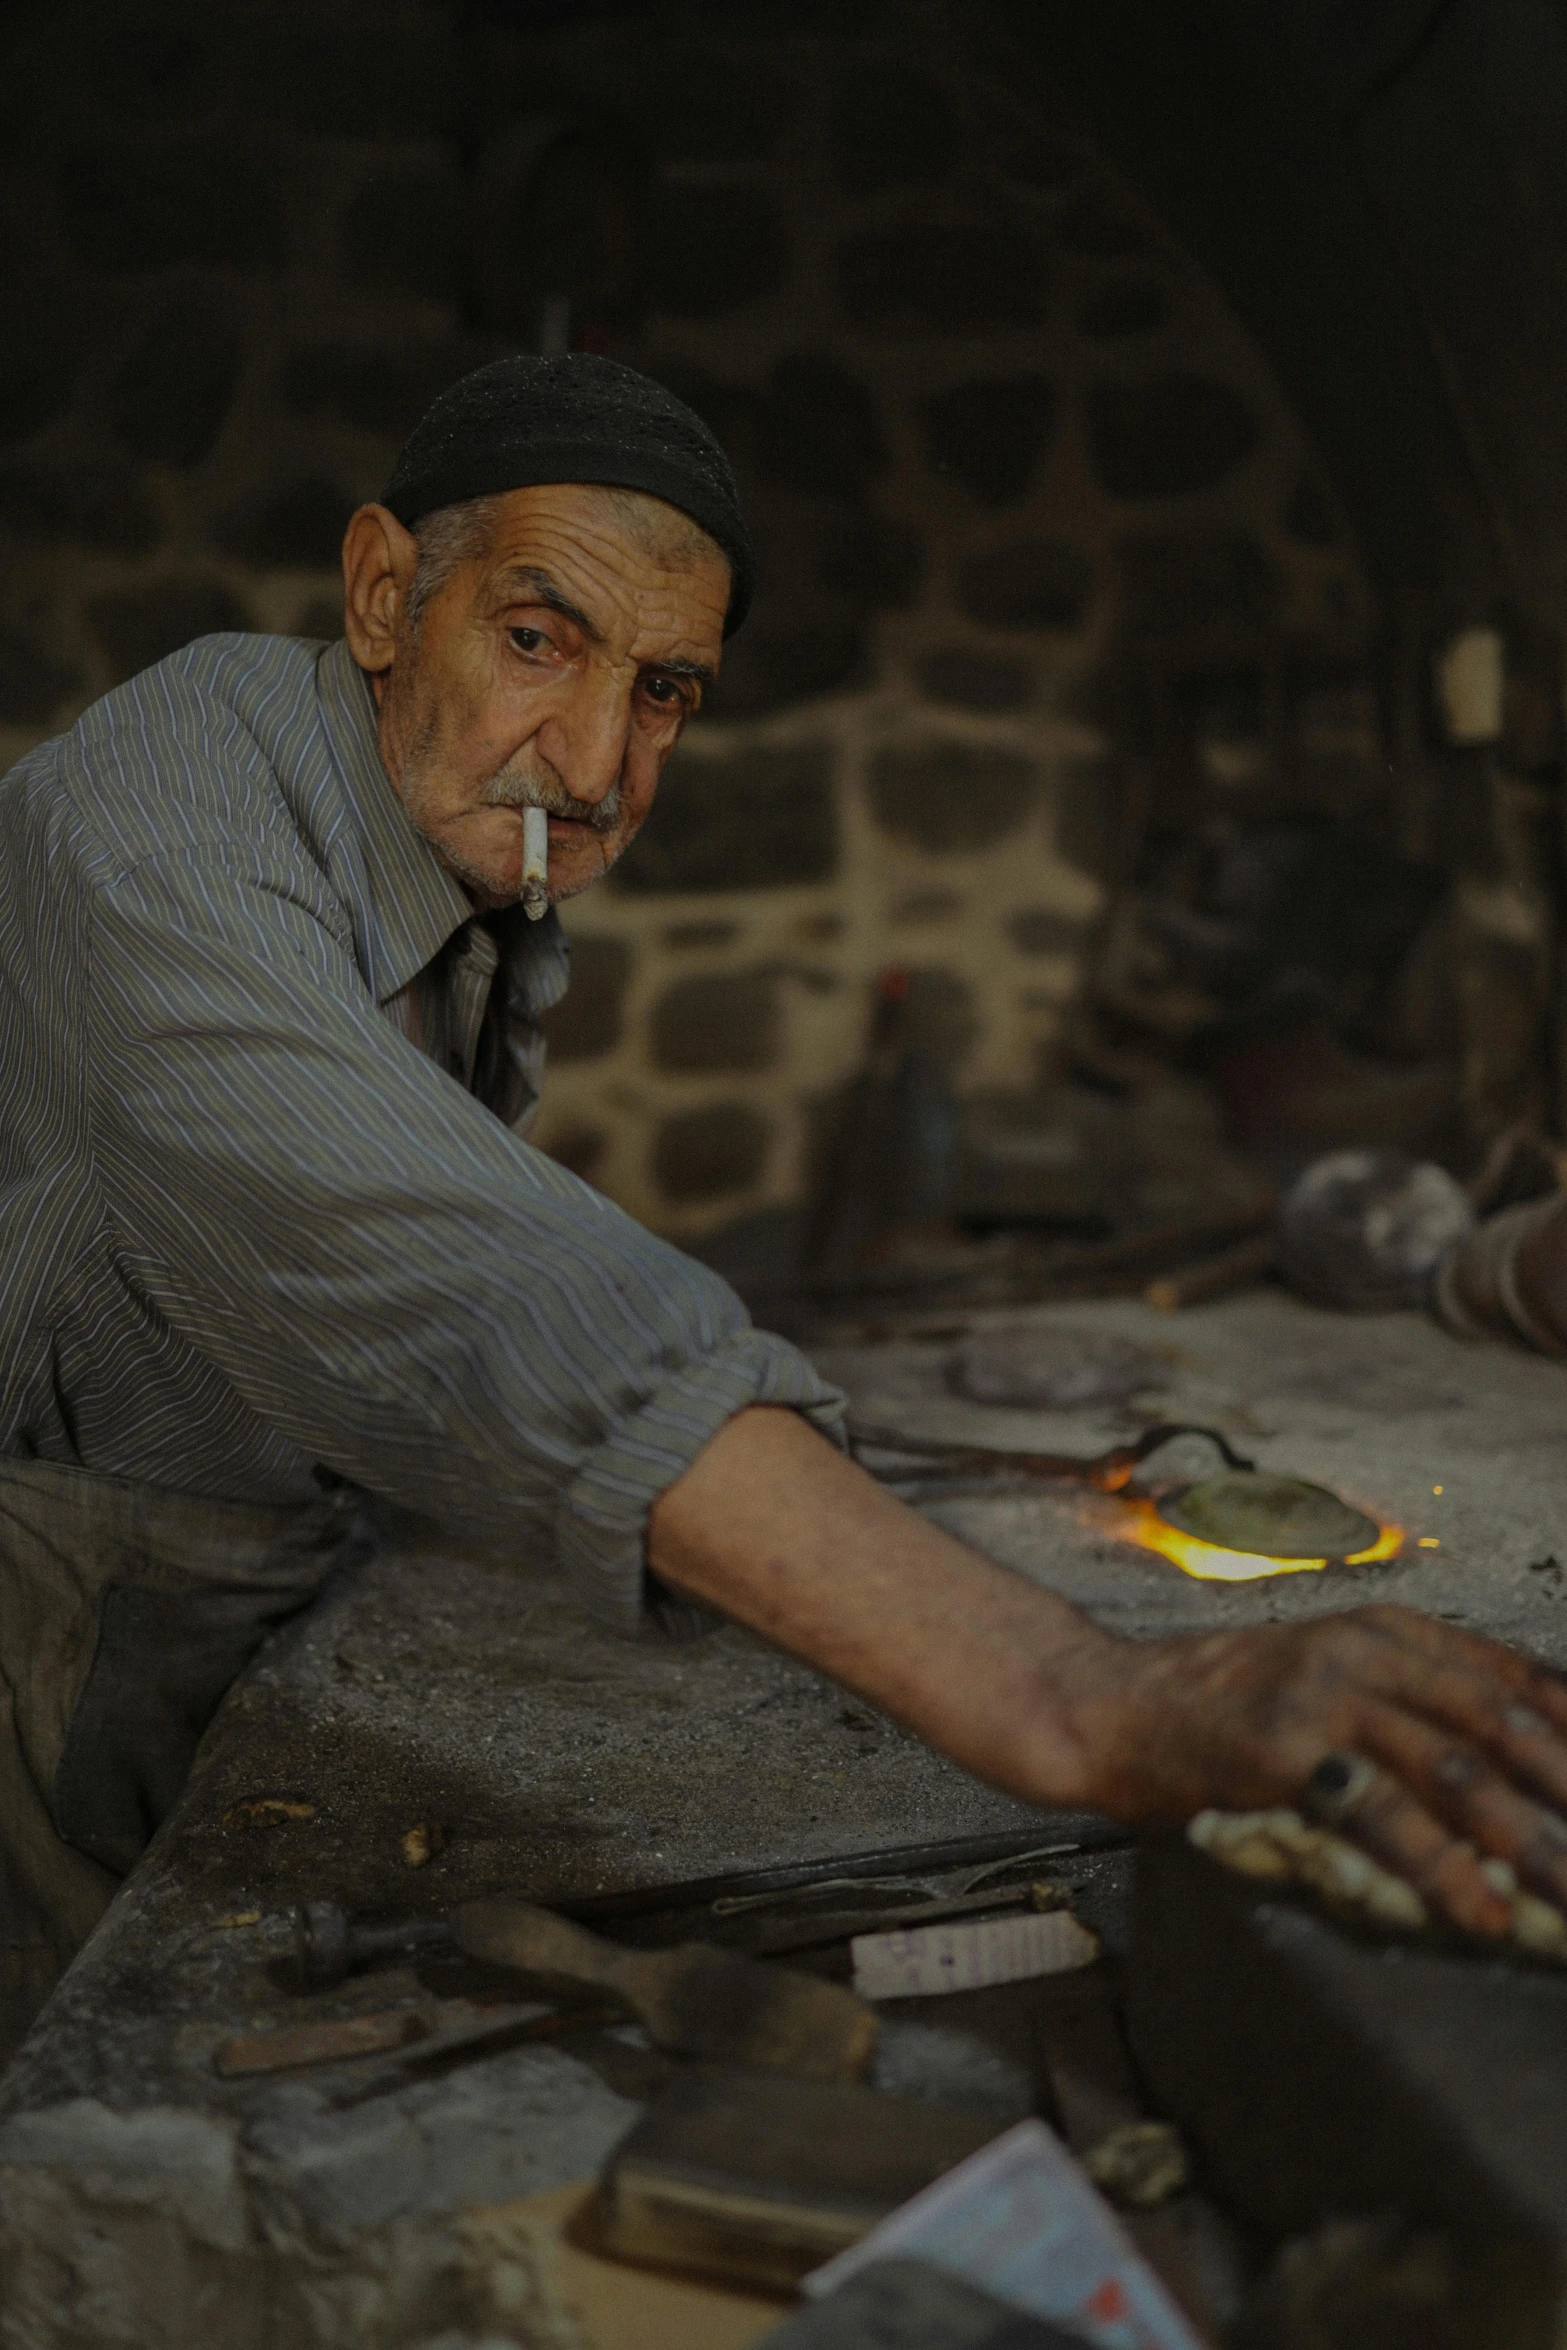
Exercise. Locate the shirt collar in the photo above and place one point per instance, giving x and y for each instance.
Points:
(413, 905)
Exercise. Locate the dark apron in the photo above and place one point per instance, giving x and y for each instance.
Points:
(125, 1613)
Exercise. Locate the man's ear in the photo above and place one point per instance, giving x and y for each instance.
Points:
(379, 556)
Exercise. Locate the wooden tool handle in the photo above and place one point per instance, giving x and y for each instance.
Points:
(1249, 1260)
(517, 1934)
(702, 2002)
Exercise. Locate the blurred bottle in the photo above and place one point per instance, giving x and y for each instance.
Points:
(890, 1171)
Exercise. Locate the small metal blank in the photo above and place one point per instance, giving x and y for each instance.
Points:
(1270, 1517)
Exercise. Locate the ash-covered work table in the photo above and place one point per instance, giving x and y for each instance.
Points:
(447, 1727)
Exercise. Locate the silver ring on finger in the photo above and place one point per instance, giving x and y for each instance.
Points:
(1337, 1788)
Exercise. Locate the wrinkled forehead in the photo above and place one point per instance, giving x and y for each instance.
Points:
(616, 561)
(642, 529)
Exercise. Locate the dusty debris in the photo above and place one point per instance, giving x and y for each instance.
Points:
(422, 1842)
(1139, 2164)
(1041, 1366)
(267, 1811)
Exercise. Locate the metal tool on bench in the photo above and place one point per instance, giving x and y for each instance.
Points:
(329, 1944)
(1106, 1472)
(756, 2181)
(1243, 1508)
(431, 2029)
(1273, 1517)
(695, 2000)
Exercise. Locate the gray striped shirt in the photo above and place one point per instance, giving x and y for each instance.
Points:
(264, 1198)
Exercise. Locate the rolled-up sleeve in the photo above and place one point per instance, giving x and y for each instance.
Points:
(402, 1287)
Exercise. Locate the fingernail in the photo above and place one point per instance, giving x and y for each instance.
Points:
(1457, 1770)
(1525, 1721)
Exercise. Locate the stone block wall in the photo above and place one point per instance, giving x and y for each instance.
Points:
(1007, 453)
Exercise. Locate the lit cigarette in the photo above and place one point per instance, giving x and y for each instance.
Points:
(535, 863)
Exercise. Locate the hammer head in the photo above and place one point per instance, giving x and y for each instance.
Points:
(323, 1942)
(329, 1943)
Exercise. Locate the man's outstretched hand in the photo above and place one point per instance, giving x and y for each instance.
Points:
(1467, 1740)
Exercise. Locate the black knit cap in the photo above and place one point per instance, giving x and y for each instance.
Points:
(584, 419)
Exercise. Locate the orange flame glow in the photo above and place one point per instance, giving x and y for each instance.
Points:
(1143, 1524)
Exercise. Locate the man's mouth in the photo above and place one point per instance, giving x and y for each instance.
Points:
(601, 818)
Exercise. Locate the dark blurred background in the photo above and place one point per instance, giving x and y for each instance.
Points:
(1151, 418)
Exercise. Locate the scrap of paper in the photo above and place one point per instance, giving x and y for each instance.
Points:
(922, 1959)
(1021, 2219)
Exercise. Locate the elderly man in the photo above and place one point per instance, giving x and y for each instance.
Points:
(272, 1237)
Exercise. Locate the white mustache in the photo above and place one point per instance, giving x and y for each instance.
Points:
(506, 790)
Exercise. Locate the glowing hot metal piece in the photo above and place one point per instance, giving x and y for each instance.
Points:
(535, 863)
(1269, 1516)
(1208, 1561)
(1206, 1529)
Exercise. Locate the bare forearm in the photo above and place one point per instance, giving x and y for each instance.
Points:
(779, 1531)
(1467, 1740)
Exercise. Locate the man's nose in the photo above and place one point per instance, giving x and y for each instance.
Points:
(585, 740)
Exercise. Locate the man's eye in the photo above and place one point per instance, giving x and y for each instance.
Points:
(529, 640)
(665, 691)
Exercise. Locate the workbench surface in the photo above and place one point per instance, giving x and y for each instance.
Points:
(469, 1698)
